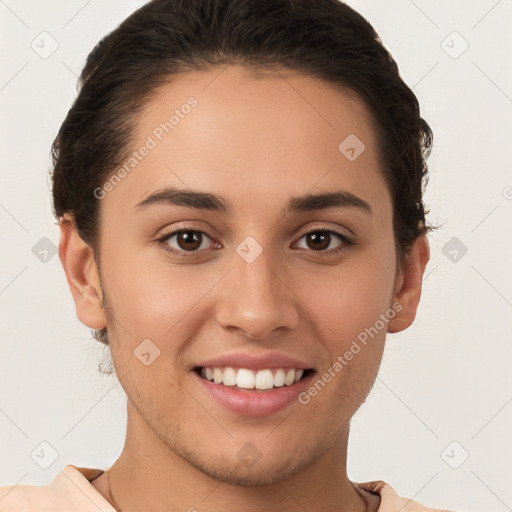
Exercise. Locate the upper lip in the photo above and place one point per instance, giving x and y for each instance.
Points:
(241, 360)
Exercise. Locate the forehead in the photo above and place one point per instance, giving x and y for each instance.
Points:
(232, 130)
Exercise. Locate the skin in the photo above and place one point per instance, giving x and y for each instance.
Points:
(257, 141)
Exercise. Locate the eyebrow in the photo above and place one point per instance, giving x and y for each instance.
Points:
(212, 202)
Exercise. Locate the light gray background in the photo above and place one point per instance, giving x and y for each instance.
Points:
(445, 379)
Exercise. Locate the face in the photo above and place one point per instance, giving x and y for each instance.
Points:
(262, 272)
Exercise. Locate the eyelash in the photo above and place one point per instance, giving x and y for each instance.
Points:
(346, 242)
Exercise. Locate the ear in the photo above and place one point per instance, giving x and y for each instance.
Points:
(77, 258)
(408, 285)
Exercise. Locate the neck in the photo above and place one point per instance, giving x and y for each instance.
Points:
(156, 478)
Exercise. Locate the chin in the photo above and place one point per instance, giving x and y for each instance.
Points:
(260, 473)
(248, 477)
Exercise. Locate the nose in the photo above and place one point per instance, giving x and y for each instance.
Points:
(257, 300)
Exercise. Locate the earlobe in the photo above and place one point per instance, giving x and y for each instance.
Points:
(77, 258)
(409, 285)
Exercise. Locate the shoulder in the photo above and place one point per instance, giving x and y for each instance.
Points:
(70, 490)
(390, 501)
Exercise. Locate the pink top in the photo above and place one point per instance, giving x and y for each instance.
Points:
(71, 491)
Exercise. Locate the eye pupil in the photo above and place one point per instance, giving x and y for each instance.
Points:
(187, 237)
(317, 236)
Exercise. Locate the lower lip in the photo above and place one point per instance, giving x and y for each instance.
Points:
(252, 403)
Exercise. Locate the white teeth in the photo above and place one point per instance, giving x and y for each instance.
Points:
(248, 379)
(229, 377)
(290, 377)
(245, 379)
(279, 378)
(264, 380)
(217, 375)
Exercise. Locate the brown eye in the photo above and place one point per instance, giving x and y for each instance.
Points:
(186, 241)
(318, 240)
(189, 240)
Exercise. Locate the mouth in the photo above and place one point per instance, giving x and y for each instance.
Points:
(253, 381)
(257, 385)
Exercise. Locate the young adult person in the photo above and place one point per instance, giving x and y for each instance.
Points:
(239, 188)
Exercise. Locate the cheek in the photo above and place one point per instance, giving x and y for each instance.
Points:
(354, 294)
(150, 297)
(351, 324)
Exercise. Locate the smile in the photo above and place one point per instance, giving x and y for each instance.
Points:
(259, 392)
(247, 379)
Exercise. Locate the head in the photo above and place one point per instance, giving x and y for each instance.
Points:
(257, 105)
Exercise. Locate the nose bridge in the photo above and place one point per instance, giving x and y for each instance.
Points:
(256, 299)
